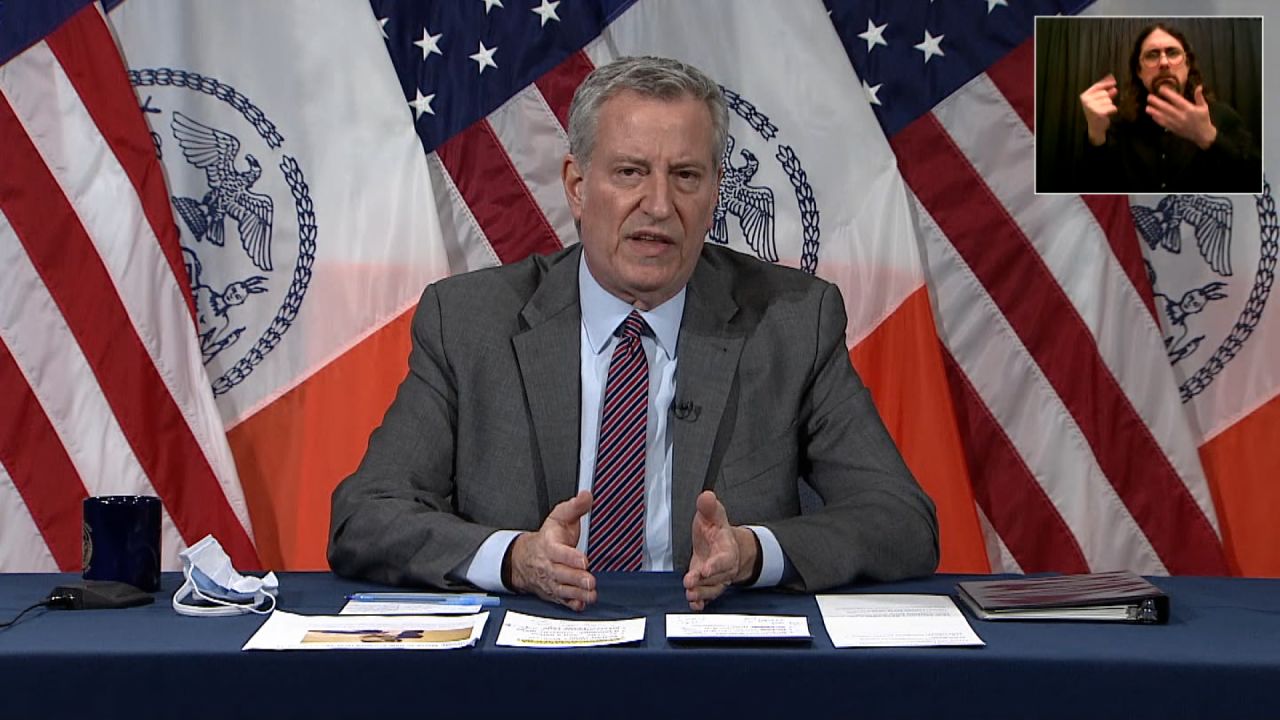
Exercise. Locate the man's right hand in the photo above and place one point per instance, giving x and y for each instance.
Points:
(1098, 103)
(548, 563)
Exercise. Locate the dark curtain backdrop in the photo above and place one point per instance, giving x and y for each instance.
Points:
(1074, 53)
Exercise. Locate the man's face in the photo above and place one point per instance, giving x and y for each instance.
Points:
(1157, 47)
(645, 199)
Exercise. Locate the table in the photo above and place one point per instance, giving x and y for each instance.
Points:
(1218, 657)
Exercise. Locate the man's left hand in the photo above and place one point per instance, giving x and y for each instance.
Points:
(1185, 119)
(722, 554)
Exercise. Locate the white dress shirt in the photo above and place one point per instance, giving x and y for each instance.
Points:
(602, 313)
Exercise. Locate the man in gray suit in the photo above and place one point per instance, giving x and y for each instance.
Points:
(482, 471)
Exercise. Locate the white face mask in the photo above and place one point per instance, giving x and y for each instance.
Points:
(211, 578)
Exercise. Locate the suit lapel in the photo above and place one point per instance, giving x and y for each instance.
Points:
(708, 355)
(549, 357)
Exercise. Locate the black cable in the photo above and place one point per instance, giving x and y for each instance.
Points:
(42, 603)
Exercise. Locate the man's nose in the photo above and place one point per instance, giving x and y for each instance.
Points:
(657, 196)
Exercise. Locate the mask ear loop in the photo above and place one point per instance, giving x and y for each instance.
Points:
(227, 609)
(271, 606)
(189, 588)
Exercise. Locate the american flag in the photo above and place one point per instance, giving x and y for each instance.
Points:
(1055, 361)
(102, 387)
(482, 78)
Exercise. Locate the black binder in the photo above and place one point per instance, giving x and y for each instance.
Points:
(1121, 596)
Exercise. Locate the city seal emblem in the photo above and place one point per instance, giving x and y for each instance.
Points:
(245, 217)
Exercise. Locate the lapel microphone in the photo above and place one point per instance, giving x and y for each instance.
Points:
(687, 411)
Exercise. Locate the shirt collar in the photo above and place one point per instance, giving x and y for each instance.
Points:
(603, 312)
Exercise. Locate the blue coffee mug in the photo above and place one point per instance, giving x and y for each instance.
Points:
(122, 540)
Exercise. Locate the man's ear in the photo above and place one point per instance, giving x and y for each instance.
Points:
(571, 175)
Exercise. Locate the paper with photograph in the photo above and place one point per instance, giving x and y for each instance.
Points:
(287, 631)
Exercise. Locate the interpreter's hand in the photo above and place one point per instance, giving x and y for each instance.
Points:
(548, 563)
(1099, 104)
(1182, 117)
(722, 554)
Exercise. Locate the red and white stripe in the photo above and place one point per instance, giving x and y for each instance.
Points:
(497, 183)
(99, 348)
(1079, 451)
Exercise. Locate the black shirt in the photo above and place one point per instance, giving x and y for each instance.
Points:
(1142, 157)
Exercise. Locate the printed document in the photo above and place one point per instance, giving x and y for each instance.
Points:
(895, 621)
(520, 630)
(714, 626)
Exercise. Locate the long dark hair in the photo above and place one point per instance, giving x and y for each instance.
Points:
(1133, 102)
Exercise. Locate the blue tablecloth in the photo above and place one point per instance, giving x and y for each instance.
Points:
(1218, 657)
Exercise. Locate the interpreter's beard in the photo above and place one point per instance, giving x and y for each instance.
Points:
(1169, 79)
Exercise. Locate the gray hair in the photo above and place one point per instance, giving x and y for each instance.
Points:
(655, 77)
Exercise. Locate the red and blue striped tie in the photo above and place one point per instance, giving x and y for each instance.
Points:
(617, 514)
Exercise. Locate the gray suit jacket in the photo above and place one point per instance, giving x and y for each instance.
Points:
(483, 433)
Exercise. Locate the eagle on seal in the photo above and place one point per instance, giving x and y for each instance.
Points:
(752, 205)
(1210, 221)
(230, 194)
